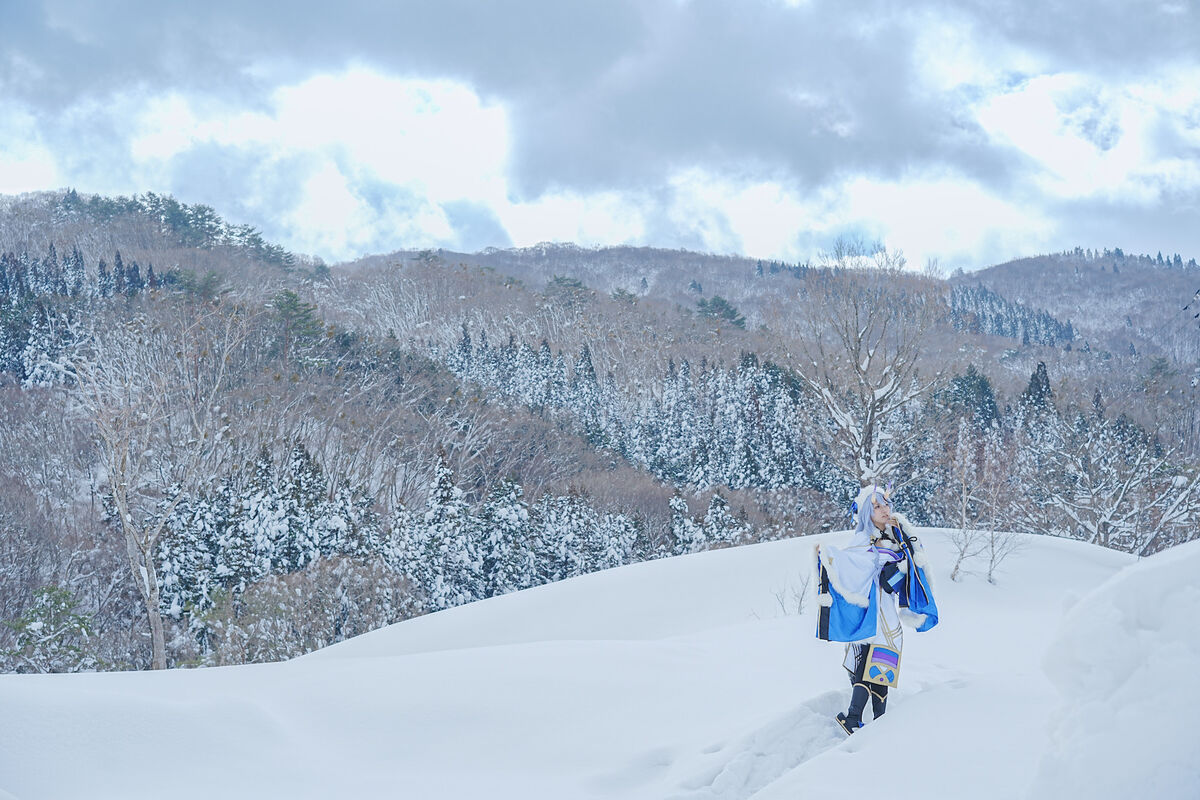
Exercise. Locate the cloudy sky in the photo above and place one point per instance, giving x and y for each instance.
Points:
(970, 132)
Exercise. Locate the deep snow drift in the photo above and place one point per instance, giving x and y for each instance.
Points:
(683, 678)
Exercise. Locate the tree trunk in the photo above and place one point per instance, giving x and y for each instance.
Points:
(142, 565)
(158, 644)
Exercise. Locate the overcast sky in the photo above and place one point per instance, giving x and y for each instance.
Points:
(971, 132)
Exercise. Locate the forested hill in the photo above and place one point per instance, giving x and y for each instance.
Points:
(148, 228)
(1116, 302)
(1129, 309)
(1111, 299)
(241, 455)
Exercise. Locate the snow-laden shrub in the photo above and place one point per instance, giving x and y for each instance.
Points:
(285, 616)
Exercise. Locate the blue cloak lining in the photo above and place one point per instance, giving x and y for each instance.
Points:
(840, 620)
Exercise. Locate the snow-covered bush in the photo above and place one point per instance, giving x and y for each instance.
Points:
(284, 616)
(52, 636)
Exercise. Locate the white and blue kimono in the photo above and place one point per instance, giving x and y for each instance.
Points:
(862, 597)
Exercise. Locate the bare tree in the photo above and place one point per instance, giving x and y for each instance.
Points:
(998, 546)
(861, 359)
(792, 597)
(964, 499)
(1112, 486)
(934, 269)
(153, 386)
(997, 493)
(1174, 510)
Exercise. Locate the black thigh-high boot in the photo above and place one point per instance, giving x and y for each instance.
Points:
(878, 700)
(852, 719)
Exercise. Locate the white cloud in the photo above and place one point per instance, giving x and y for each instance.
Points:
(437, 142)
(26, 164)
(936, 215)
(434, 134)
(166, 127)
(732, 214)
(431, 141)
(329, 217)
(362, 160)
(1092, 139)
(588, 219)
(959, 222)
(437, 134)
(952, 52)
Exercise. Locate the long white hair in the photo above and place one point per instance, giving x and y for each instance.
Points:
(863, 506)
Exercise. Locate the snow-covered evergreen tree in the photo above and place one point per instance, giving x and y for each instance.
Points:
(349, 524)
(562, 524)
(615, 542)
(187, 552)
(720, 525)
(688, 535)
(444, 568)
(303, 499)
(260, 528)
(105, 285)
(503, 542)
(977, 309)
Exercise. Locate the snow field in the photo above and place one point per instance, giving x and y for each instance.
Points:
(681, 678)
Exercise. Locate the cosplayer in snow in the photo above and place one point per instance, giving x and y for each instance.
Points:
(865, 590)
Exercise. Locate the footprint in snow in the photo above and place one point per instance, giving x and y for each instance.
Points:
(744, 766)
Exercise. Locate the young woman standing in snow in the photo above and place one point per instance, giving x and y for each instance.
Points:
(865, 590)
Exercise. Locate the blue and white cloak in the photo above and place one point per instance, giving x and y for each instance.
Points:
(852, 606)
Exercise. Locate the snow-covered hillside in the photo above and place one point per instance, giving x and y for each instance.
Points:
(692, 677)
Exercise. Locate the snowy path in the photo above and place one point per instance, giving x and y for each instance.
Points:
(742, 767)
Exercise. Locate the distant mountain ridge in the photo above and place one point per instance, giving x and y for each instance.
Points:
(1102, 293)
(1092, 299)
(1114, 301)
(1101, 300)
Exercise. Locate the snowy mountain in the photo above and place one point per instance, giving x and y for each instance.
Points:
(687, 677)
(1117, 303)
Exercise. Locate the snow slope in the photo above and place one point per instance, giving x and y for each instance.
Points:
(681, 678)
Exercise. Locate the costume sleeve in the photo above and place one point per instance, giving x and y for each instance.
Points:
(847, 594)
(918, 607)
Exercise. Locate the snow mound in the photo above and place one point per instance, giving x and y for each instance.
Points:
(1123, 661)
